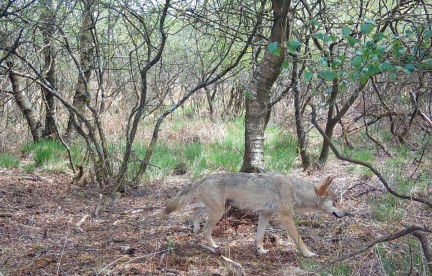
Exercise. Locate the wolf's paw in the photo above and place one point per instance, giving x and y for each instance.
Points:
(261, 251)
(196, 230)
(309, 254)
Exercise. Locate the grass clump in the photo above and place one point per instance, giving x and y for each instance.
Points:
(45, 152)
(9, 161)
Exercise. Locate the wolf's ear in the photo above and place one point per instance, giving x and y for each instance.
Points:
(321, 190)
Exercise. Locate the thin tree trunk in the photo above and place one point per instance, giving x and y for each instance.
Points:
(48, 29)
(86, 61)
(258, 95)
(301, 134)
(333, 120)
(36, 127)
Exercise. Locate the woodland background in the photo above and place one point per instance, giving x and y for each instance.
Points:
(107, 107)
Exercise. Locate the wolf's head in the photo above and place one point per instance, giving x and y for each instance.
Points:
(329, 200)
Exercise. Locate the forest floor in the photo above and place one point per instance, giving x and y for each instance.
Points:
(51, 226)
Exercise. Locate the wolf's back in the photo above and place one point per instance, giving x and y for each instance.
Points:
(182, 198)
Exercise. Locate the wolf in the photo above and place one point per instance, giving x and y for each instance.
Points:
(264, 193)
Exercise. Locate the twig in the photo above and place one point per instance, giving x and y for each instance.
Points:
(62, 253)
(78, 224)
(213, 250)
(406, 231)
(235, 264)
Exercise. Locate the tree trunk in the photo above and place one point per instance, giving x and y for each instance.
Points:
(301, 134)
(86, 61)
(258, 95)
(333, 120)
(25, 105)
(48, 23)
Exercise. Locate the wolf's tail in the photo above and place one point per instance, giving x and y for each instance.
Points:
(182, 198)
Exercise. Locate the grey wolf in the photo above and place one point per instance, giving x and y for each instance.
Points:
(264, 193)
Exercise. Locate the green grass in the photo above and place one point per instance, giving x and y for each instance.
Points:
(203, 157)
(198, 158)
(9, 161)
(387, 208)
(45, 152)
(394, 263)
(280, 150)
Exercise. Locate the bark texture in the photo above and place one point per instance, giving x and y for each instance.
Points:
(25, 105)
(48, 26)
(86, 63)
(258, 96)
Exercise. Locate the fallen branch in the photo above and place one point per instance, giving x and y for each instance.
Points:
(365, 164)
(406, 231)
(78, 224)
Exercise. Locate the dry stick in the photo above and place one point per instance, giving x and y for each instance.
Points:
(62, 253)
(366, 164)
(391, 237)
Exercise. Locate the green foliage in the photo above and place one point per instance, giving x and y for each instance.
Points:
(392, 261)
(9, 161)
(274, 48)
(280, 150)
(293, 45)
(45, 152)
(388, 208)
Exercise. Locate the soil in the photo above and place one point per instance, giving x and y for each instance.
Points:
(50, 225)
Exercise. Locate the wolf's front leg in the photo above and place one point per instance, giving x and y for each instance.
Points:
(286, 219)
(263, 220)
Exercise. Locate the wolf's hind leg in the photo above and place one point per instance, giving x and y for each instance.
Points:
(263, 220)
(213, 217)
(286, 219)
(198, 212)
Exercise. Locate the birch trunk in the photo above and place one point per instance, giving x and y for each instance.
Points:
(259, 93)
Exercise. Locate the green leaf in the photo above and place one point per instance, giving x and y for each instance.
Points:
(392, 76)
(380, 36)
(272, 46)
(320, 36)
(345, 32)
(427, 64)
(357, 62)
(308, 76)
(285, 65)
(293, 45)
(409, 68)
(352, 41)
(248, 95)
(316, 23)
(353, 76)
(370, 21)
(386, 66)
(328, 75)
(323, 61)
(366, 28)
(277, 52)
(373, 69)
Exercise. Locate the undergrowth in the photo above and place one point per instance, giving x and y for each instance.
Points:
(198, 147)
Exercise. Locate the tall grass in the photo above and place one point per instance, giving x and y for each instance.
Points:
(9, 161)
(196, 146)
